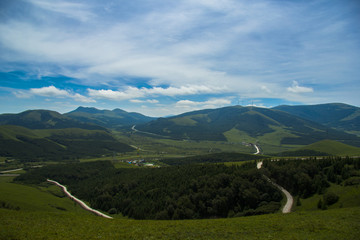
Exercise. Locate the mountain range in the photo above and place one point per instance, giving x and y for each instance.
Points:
(335, 115)
(85, 131)
(50, 136)
(45, 119)
(236, 124)
(114, 119)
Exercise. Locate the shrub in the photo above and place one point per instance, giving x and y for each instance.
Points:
(330, 198)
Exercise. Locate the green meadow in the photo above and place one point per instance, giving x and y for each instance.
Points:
(42, 212)
(330, 224)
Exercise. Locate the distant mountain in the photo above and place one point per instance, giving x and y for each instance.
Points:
(110, 119)
(245, 124)
(44, 119)
(336, 115)
(56, 144)
(324, 148)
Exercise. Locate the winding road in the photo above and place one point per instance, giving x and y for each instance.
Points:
(289, 198)
(257, 149)
(81, 203)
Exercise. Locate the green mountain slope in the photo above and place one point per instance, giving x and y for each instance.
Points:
(44, 119)
(106, 118)
(334, 148)
(245, 124)
(336, 115)
(56, 144)
(324, 148)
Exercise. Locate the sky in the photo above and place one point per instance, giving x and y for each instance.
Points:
(162, 58)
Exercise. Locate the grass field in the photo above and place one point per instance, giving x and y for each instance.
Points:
(180, 147)
(47, 198)
(349, 196)
(45, 214)
(334, 148)
(330, 224)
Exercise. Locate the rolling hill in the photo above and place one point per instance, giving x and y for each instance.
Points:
(336, 115)
(44, 119)
(56, 144)
(324, 148)
(110, 119)
(238, 123)
(334, 148)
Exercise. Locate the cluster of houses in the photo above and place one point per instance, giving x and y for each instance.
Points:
(140, 162)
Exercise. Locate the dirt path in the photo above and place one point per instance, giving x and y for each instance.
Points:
(81, 203)
(12, 170)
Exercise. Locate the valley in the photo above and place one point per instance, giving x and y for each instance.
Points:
(227, 169)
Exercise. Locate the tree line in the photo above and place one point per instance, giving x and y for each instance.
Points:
(307, 177)
(180, 192)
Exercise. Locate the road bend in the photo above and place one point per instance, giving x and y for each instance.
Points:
(289, 198)
(81, 203)
(257, 149)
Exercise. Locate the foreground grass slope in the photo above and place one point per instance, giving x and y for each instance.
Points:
(43, 213)
(331, 224)
(23, 198)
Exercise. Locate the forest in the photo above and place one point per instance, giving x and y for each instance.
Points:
(213, 158)
(181, 192)
(307, 177)
(197, 191)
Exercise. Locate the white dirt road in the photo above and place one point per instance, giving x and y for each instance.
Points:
(81, 203)
(289, 198)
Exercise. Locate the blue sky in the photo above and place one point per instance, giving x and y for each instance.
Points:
(168, 57)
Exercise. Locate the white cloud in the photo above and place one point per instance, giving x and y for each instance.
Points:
(52, 91)
(134, 93)
(129, 93)
(181, 106)
(211, 103)
(144, 101)
(250, 48)
(295, 88)
(136, 101)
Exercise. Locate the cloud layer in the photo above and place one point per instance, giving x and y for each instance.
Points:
(143, 51)
(52, 92)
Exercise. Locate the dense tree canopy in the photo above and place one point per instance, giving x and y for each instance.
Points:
(181, 192)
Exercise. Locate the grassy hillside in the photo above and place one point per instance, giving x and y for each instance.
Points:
(43, 213)
(331, 224)
(213, 158)
(334, 148)
(324, 148)
(114, 119)
(44, 119)
(337, 115)
(349, 197)
(237, 124)
(56, 144)
(42, 216)
(23, 198)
